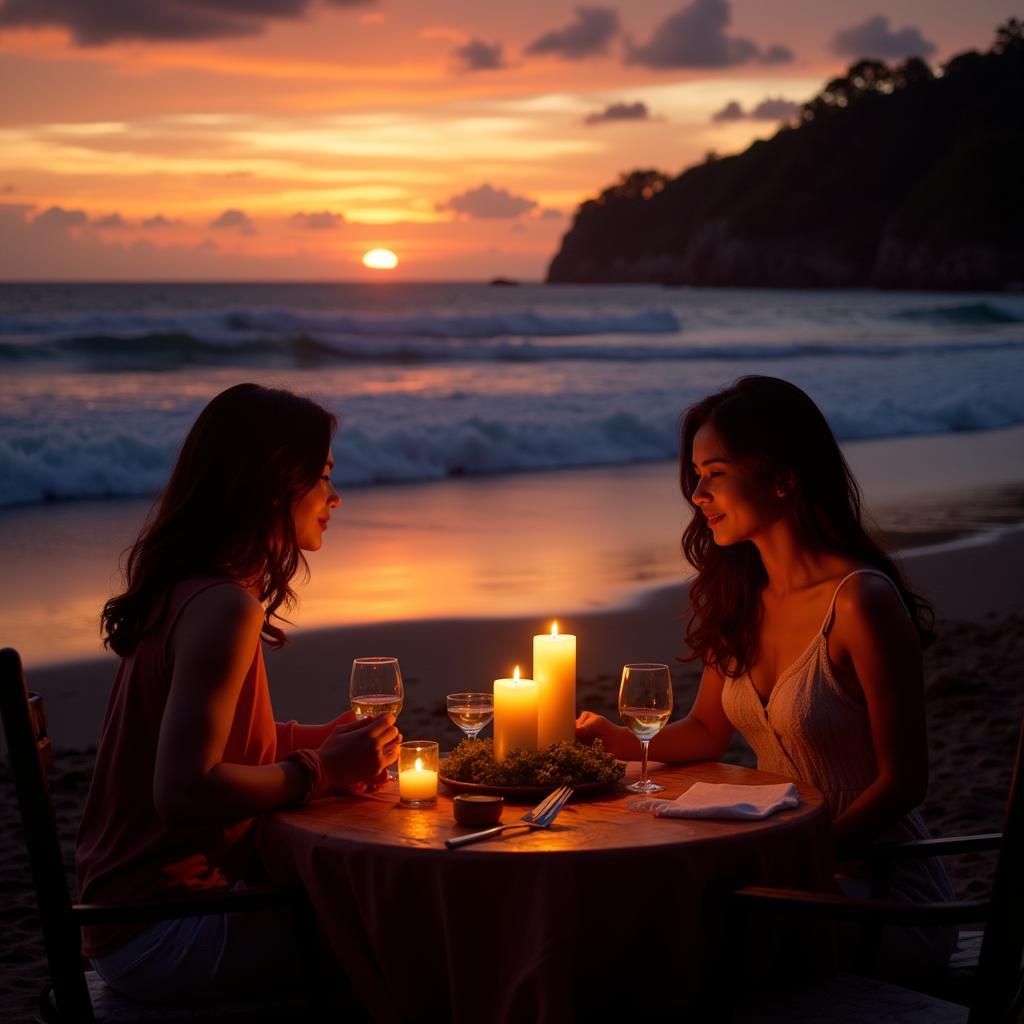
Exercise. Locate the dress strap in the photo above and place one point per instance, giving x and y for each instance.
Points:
(830, 614)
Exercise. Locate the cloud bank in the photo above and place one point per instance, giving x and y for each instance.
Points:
(99, 22)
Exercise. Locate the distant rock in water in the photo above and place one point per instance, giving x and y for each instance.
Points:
(502, 282)
(894, 177)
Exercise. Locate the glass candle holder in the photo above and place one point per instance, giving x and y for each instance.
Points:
(417, 773)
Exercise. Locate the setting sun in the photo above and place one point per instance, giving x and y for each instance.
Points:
(380, 259)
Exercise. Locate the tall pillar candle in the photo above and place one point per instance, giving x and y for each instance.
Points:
(554, 670)
(515, 715)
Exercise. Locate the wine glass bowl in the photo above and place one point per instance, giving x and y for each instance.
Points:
(645, 706)
(470, 711)
(375, 687)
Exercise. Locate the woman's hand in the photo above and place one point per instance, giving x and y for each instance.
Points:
(359, 751)
(617, 739)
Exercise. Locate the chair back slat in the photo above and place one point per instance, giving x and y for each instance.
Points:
(41, 734)
(28, 747)
(1000, 981)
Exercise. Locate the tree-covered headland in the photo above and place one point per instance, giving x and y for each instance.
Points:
(891, 177)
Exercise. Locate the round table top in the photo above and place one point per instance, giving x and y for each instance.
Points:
(589, 825)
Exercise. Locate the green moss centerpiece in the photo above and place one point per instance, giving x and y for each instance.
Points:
(561, 764)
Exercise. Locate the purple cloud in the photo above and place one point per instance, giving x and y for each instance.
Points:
(769, 109)
(696, 37)
(59, 218)
(159, 221)
(590, 34)
(323, 220)
(98, 22)
(487, 203)
(112, 220)
(236, 220)
(874, 38)
(476, 55)
(619, 112)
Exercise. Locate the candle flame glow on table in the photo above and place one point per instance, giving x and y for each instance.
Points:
(554, 669)
(515, 715)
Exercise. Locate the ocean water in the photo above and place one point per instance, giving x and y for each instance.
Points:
(99, 383)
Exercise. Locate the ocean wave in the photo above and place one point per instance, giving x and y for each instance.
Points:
(965, 314)
(166, 350)
(84, 453)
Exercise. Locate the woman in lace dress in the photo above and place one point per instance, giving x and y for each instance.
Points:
(810, 638)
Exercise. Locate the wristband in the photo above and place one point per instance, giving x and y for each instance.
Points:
(309, 761)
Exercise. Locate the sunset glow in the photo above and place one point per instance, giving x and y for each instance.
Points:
(273, 145)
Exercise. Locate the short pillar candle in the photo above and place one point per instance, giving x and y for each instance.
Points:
(515, 715)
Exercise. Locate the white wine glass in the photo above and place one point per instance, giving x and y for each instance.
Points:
(645, 705)
(375, 689)
(470, 711)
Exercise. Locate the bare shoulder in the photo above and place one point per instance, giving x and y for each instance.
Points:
(869, 602)
(224, 609)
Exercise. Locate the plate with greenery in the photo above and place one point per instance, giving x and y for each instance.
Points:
(471, 768)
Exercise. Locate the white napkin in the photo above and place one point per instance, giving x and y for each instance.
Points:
(723, 800)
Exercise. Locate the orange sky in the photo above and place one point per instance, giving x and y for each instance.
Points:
(192, 144)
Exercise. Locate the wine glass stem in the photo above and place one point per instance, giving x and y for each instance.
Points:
(643, 759)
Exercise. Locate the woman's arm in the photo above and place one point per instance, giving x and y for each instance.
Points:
(874, 641)
(296, 735)
(213, 646)
(702, 735)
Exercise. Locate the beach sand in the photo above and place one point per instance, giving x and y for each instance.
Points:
(973, 673)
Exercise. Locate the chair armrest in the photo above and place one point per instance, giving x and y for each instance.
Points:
(200, 905)
(846, 908)
(943, 847)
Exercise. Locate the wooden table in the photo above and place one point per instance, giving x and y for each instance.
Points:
(544, 926)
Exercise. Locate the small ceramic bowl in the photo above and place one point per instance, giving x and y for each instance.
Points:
(473, 809)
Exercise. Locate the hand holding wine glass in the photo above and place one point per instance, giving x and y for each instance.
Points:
(374, 689)
(645, 705)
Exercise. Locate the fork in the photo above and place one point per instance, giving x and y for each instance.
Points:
(540, 817)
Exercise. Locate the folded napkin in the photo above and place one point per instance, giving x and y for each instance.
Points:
(723, 800)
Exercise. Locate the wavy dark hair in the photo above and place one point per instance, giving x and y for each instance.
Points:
(773, 429)
(226, 510)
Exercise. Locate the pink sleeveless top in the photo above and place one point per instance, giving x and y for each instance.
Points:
(125, 850)
(813, 730)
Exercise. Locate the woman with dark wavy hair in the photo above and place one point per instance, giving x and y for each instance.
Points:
(810, 638)
(190, 751)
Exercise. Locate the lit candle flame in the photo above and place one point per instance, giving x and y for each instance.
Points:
(419, 764)
(515, 674)
(554, 629)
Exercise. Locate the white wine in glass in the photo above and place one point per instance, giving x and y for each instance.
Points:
(471, 711)
(645, 706)
(375, 689)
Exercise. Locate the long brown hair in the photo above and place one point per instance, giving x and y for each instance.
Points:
(774, 430)
(226, 510)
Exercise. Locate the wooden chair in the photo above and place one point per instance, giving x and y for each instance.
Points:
(997, 996)
(78, 995)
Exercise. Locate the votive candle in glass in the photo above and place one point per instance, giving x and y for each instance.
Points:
(417, 773)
